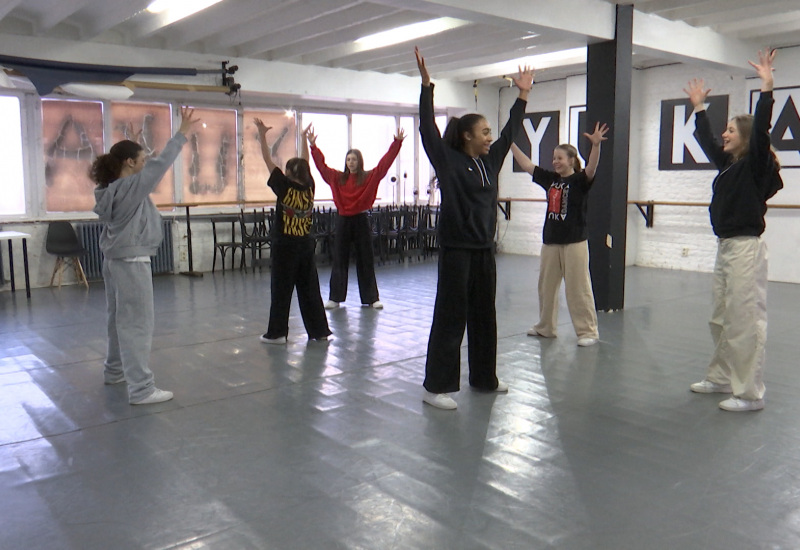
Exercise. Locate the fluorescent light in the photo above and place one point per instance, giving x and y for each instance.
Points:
(180, 8)
(408, 33)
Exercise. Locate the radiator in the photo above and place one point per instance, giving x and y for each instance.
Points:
(89, 234)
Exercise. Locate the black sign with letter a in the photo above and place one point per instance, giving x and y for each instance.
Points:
(678, 149)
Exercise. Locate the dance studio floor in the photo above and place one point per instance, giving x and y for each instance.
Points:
(328, 446)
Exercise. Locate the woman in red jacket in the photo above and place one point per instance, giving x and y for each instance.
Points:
(354, 191)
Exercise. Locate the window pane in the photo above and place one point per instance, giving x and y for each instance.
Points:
(373, 134)
(73, 136)
(149, 125)
(282, 139)
(406, 159)
(331, 133)
(210, 167)
(11, 157)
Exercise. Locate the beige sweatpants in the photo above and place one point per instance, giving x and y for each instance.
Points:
(569, 262)
(739, 317)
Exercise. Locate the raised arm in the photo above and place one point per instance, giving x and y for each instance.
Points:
(698, 93)
(597, 138)
(328, 174)
(262, 137)
(760, 143)
(386, 161)
(522, 159)
(432, 140)
(499, 149)
(304, 143)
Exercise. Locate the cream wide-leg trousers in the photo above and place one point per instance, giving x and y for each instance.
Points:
(739, 317)
(569, 262)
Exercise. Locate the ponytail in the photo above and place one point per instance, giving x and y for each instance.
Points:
(106, 168)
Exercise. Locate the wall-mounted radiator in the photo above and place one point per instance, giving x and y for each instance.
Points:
(89, 234)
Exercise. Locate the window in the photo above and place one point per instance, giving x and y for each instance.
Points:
(427, 186)
(373, 135)
(332, 140)
(72, 134)
(406, 181)
(149, 125)
(11, 157)
(282, 139)
(210, 159)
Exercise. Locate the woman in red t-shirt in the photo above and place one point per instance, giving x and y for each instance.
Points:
(354, 191)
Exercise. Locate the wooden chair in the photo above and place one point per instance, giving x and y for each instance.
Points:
(222, 247)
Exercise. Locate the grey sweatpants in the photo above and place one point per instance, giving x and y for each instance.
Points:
(129, 299)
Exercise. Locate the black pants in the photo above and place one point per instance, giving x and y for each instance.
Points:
(465, 296)
(353, 229)
(293, 266)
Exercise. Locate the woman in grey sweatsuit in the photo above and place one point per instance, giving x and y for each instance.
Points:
(131, 235)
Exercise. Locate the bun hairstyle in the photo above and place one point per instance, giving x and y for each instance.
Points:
(361, 175)
(457, 127)
(572, 154)
(298, 168)
(106, 168)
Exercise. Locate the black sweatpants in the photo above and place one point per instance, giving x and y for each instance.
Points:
(465, 296)
(353, 229)
(293, 266)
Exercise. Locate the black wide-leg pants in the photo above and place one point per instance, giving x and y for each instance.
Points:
(355, 230)
(465, 296)
(293, 266)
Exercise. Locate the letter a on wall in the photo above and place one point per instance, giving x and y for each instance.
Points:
(785, 133)
(678, 149)
(539, 138)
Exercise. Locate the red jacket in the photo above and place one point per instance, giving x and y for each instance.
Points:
(351, 199)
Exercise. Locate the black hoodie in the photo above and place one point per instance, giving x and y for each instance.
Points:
(468, 211)
(741, 189)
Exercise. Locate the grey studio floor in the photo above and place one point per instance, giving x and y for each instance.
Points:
(329, 446)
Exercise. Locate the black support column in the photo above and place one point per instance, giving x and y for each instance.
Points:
(608, 100)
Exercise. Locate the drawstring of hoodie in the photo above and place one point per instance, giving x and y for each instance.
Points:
(482, 169)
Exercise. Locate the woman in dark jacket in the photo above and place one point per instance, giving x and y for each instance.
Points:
(467, 164)
(748, 176)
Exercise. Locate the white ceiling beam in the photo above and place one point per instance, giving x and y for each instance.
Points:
(56, 13)
(209, 23)
(731, 13)
(757, 24)
(339, 42)
(786, 25)
(7, 5)
(334, 22)
(108, 15)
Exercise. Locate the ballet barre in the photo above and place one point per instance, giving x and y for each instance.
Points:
(646, 208)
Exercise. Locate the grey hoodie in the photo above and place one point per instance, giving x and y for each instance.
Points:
(133, 224)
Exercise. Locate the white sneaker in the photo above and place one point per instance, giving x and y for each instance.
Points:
(735, 404)
(586, 342)
(376, 305)
(322, 338)
(158, 396)
(439, 400)
(707, 386)
(501, 386)
(532, 332)
(279, 340)
(330, 304)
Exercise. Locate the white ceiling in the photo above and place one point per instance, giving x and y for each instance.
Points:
(321, 32)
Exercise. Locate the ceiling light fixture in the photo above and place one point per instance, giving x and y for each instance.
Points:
(179, 9)
(408, 33)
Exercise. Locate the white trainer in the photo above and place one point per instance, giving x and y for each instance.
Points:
(377, 304)
(735, 404)
(501, 386)
(330, 304)
(707, 386)
(279, 340)
(533, 332)
(158, 396)
(439, 400)
(586, 342)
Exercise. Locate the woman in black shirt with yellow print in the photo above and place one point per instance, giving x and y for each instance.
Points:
(293, 264)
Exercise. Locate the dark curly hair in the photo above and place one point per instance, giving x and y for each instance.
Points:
(106, 168)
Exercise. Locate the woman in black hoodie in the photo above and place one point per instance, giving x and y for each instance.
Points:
(467, 164)
(748, 176)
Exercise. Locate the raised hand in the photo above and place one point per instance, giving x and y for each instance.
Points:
(697, 92)
(187, 120)
(524, 79)
(310, 135)
(764, 67)
(400, 135)
(423, 70)
(262, 128)
(598, 136)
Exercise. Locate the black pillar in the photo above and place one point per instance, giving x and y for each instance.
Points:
(608, 100)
